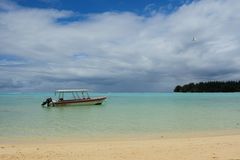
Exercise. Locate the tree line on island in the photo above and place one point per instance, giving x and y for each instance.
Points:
(211, 86)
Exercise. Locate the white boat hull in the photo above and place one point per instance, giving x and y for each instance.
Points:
(80, 102)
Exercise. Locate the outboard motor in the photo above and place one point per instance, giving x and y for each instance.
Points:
(48, 102)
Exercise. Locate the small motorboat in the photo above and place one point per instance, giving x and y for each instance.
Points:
(79, 97)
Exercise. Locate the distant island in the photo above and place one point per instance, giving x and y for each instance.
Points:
(212, 86)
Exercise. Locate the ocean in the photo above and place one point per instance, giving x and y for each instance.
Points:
(123, 114)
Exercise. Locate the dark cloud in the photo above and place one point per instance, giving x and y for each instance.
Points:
(9, 84)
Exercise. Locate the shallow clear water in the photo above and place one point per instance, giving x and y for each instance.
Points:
(21, 115)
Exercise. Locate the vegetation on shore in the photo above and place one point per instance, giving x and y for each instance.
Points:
(212, 86)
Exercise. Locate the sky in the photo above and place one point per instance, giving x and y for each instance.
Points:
(117, 45)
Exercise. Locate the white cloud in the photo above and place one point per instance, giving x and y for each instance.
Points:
(121, 51)
(8, 5)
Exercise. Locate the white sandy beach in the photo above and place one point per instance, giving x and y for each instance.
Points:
(198, 148)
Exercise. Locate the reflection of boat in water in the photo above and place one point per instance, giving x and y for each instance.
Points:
(79, 97)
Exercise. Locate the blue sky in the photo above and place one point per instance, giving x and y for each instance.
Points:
(117, 46)
(98, 6)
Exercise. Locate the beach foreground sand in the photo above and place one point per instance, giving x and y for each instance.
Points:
(197, 148)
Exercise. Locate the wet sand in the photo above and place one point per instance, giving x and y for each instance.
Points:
(194, 148)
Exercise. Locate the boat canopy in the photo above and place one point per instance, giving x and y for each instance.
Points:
(75, 93)
(70, 90)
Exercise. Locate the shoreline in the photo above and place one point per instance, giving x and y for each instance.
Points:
(120, 137)
(188, 148)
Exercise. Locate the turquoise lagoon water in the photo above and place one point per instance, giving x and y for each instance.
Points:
(123, 114)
